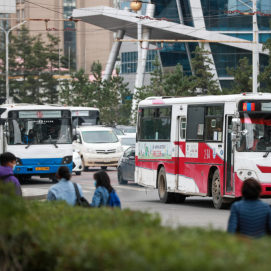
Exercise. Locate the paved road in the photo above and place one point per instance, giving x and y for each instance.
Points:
(196, 211)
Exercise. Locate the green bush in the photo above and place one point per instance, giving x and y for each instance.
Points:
(54, 236)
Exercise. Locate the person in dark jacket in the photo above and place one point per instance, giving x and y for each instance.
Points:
(250, 216)
(8, 163)
(103, 189)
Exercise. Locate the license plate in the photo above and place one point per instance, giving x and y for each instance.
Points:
(42, 168)
(107, 160)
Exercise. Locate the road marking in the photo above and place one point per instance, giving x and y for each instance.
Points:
(131, 188)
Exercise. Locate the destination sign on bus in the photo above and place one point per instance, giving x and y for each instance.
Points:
(39, 114)
(255, 106)
(77, 113)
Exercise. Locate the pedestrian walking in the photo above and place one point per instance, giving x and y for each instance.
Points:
(64, 189)
(8, 163)
(250, 216)
(104, 193)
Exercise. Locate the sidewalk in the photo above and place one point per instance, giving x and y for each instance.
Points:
(34, 194)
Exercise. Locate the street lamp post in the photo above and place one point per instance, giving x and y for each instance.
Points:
(7, 61)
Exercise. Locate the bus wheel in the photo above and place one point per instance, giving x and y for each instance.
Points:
(120, 178)
(103, 168)
(165, 197)
(55, 180)
(216, 192)
(179, 198)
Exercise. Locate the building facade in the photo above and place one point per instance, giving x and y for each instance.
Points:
(186, 20)
(87, 44)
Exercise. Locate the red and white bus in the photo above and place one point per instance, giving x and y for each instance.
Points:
(204, 146)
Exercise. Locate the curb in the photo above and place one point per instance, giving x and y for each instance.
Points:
(36, 197)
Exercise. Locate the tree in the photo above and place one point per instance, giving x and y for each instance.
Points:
(77, 91)
(242, 77)
(157, 78)
(51, 94)
(176, 83)
(202, 78)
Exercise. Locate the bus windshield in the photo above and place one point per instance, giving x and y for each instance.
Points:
(85, 116)
(39, 127)
(256, 136)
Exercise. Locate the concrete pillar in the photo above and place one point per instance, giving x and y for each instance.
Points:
(145, 34)
(199, 24)
(113, 56)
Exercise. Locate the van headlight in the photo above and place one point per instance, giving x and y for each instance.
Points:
(90, 150)
(119, 149)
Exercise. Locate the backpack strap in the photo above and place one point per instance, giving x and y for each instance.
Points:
(77, 193)
(3, 178)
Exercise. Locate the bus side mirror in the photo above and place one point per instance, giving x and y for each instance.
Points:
(74, 132)
(236, 125)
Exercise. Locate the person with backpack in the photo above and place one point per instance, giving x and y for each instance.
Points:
(104, 195)
(8, 163)
(65, 189)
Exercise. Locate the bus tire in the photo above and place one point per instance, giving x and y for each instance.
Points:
(165, 197)
(104, 168)
(179, 198)
(54, 180)
(120, 177)
(216, 192)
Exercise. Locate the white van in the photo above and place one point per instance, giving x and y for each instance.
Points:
(98, 147)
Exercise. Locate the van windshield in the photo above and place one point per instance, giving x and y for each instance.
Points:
(99, 137)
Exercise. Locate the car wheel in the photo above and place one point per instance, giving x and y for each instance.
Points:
(165, 197)
(54, 180)
(78, 173)
(216, 192)
(120, 178)
(103, 168)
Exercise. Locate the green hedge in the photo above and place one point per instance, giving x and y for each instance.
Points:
(54, 236)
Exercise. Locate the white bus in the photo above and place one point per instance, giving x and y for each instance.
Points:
(87, 115)
(204, 146)
(39, 136)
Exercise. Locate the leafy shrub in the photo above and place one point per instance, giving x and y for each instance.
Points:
(54, 236)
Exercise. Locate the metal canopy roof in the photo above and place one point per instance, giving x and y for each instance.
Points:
(114, 19)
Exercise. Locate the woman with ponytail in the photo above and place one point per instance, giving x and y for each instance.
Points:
(64, 189)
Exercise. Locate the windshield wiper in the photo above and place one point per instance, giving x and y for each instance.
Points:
(52, 142)
(266, 154)
(30, 144)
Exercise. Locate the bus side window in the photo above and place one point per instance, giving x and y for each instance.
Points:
(183, 128)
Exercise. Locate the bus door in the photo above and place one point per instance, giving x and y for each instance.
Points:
(228, 164)
(181, 152)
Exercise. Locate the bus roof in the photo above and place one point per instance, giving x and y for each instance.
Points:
(81, 108)
(154, 101)
(32, 107)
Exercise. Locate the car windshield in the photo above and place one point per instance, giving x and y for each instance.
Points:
(99, 137)
(256, 132)
(129, 130)
(39, 131)
(128, 141)
(117, 131)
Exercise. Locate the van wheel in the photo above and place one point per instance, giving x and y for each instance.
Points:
(165, 197)
(84, 167)
(103, 168)
(216, 192)
(77, 172)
